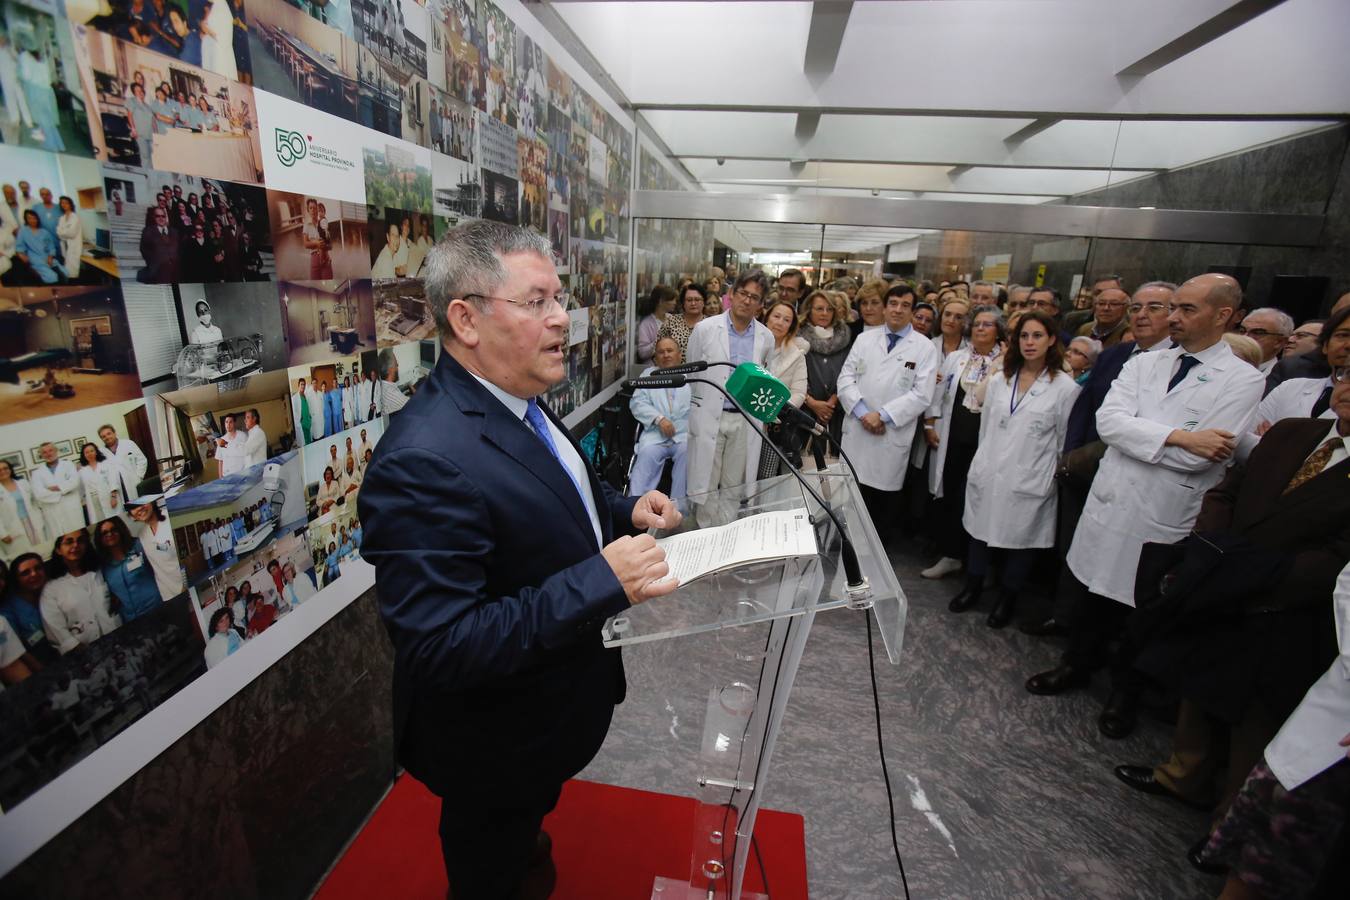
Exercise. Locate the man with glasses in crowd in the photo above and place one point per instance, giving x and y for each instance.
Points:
(791, 286)
(1270, 328)
(1109, 322)
(723, 448)
(498, 555)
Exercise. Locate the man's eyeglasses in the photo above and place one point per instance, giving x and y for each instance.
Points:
(1043, 304)
(747, 295)
(1258, 333)
(1153, 308)
(538, 307)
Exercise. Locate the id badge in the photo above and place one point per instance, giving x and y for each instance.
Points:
(134, 562)
(1003, 423)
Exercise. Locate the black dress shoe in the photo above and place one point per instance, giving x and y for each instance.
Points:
(968, 598)
(1120, 715)
(1196, 858)
(1003, 610)
(1044, 628)
(1058, 680)
(1141, 779)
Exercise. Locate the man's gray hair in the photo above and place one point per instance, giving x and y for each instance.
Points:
(1160, 285)
(988, 284)
(385, 362)
(1283, 321)
(468, 261)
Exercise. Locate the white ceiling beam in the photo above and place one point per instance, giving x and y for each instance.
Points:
(829, 19)
(1030, 130)
(1216, 26)
(806, 125)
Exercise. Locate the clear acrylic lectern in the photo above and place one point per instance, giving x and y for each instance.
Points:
(748, 692)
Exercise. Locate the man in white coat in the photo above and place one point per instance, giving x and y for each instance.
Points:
(230, 448)
(885, 385)
(1170, 422)
(56, 486)
(315, 401)
(255, 442)
(723, 449)
(131, 462)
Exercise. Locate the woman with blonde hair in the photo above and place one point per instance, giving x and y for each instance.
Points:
(871, 307)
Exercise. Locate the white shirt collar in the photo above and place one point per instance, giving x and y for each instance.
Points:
(513, 403)
(1210, 355)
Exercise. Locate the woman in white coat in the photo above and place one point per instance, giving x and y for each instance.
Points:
(787, 363)
(156, 539)
(76, 608)
(22, 528)
(952, 432)
(1010, 489)
(70, 232)
(885, 386)
(100, 481)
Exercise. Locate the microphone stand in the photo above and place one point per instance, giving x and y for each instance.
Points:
(857, 586)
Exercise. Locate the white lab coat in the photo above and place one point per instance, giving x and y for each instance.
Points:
(303, 588)
(1290, 399)
(71, 233)
(206, 334)
(61, 509)
(315, 401)
(9, 228)
(255, 447)
(98, 486)
(651, 404)
(162, 555)
(1144, 490)
(131, 465)
(899, 383)
(710, 342)
(944, 400)
(1307, 744)
(11, 526)
(349, 404)
(1011, 499)
(77, 611)
(231, 456)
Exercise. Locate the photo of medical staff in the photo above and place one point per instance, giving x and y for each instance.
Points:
(156, 112)
(318, 238)
(41, 102)
(69, 243)
(202, 33)
(57, 707)
(399, 241)
(335, 467)
(324, 319)
(168, 227)
(330, 397)
(335, 539)
(222, 430)
(63, 349)
(398, 372)
(241, 602)
(224, 521)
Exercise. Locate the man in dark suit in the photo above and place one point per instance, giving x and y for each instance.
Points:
(159, 249)
(1083, 449)
(1243, 667)
(497, 561)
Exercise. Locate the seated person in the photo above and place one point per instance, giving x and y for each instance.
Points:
(663, 414)
(36, 247)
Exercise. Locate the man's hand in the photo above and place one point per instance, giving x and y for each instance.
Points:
(1262, 429)
(1213, 444)
(1345, 742)
(931, 436)
(821, 409)
(655, 510)
(667, 427)
(872, 422)
(637, 562)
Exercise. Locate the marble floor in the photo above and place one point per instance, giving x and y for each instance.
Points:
(1023, 800)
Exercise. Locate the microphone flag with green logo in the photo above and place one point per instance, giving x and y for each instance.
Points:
(758, 392)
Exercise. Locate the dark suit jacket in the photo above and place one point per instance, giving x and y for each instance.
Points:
(493, 591)
(1276, 641)
(1306, 365)
(160, 252)
(1082, 428)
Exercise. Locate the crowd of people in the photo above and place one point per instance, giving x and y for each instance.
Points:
(342, 475)
(251, 606)
(201, 34)
(322, 410)
(83, 587)
(203, 238)
(1167, 462)
(41, 238)
(220, 536)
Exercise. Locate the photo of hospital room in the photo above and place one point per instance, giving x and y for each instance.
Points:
(201, 433)
(63, 349)
(214, 129)
(41, 102)
(224, 521)
(69, 243)
(297, 56)
(323, 319)
(317, 238)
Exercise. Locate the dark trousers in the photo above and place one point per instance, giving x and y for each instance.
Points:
(1016, 565)
(1072, 499)
(1095, 623)
(948, 510)
(488, 848)
(882, 507)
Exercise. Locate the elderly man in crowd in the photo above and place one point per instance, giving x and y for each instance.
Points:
(1170, 423)
(1270, 328)
(1109, 322)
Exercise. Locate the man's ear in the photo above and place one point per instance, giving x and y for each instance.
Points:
(463, 319)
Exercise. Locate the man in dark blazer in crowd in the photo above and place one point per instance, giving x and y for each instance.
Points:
(1243, 665)
(498, 556)
(159, 249)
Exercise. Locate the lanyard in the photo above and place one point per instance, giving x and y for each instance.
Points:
(1013, 401)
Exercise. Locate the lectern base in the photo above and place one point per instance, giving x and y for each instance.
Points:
(670, 889)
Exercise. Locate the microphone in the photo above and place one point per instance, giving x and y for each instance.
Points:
(765, 396)
(657, 381)
(792, 417)
(690, 368)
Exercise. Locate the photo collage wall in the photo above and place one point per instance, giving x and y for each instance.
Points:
(212, 237)
(666, 250)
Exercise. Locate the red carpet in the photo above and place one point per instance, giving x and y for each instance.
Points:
(629, 836)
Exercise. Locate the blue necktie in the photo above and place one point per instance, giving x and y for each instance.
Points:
(534, 417)
(1188, 362)
(891, 339)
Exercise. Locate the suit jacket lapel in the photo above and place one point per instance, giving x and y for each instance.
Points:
(1316, 488)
